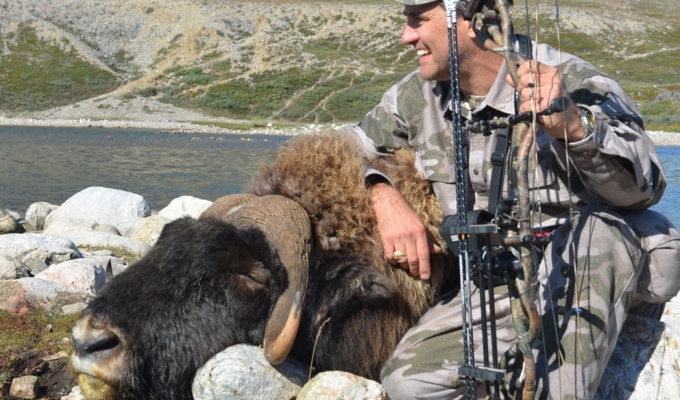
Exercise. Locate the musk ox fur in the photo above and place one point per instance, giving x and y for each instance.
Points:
(209, 283)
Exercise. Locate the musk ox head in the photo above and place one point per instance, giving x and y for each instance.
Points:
(207, 284)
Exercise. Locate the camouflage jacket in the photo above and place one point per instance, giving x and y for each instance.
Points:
(616, 166)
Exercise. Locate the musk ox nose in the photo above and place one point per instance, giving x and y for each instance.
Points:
(98, 342)
(92, 341)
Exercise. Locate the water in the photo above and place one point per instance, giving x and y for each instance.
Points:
(52, 164)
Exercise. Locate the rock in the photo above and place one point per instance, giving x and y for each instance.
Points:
(24, 387)
(128, 249)
(149, 229)
(74, 308)
(76, 394)
(21, 295)
(36, 214)
(185, 206)
(338, 385)
(107, 229)
(33, 249)
(85, 275)
(106, 206)
(644, 363)
(242, 372)
(118, 265)
(8, 224)
(11, 268)
(59, 226)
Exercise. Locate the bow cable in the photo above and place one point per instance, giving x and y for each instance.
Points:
(461, 194)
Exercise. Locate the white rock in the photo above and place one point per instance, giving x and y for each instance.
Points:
(106, 206)
(84, 275)
(185, 206)
(11, 268)
(25, 387)
(62, 225)
(644, 364)
(338, 385)
(21, 295)
(128, 249)
(242, 372)
(31, 247)
(149, 229)
(75, 308)
(76, 394)
(36, 214)
(8, 224)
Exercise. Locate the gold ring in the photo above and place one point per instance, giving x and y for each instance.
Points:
(398, 255)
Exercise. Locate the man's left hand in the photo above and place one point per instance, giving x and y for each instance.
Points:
(538, 85)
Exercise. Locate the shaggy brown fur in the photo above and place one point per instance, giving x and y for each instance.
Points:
(324, 174)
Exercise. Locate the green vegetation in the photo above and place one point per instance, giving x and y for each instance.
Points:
(36, 331)
(37, 74)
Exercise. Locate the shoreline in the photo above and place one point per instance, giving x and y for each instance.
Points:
(659, 138)
(170, 127)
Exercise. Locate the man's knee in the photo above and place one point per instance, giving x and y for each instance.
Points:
(659, 279)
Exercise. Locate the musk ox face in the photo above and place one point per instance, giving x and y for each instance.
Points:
(206, 285)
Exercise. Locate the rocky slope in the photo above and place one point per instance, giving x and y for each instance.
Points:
(300, 61)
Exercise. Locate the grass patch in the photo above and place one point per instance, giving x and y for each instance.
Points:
(260, 95)
(37, 74)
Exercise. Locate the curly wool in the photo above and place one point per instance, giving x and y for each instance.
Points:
(325, 174)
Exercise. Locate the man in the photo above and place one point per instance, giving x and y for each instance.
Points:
(610, 258)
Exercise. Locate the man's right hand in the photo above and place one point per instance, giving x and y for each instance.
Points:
(401, 229)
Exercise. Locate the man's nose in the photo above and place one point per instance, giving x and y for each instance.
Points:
(409, 35)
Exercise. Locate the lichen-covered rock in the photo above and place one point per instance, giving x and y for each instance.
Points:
(242, 372)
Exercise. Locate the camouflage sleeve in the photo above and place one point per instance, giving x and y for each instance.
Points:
(383, 129)
(617, 163)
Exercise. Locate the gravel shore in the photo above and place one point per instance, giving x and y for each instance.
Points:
(142, 113)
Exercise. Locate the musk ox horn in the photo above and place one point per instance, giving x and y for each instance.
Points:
(286, 226)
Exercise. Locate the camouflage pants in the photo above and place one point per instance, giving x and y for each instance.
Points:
(612, 265)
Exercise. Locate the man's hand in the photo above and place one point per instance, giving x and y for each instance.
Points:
(538, 85)
(401, 229)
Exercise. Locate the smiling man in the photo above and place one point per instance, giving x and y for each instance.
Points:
(625, 256)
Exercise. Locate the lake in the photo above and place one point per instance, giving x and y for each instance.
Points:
(52, 164)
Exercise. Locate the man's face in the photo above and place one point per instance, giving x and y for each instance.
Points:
(426, 31)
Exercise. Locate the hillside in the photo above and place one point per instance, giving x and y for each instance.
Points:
(282, 61)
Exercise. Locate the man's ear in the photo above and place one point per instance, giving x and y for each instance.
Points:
(466, 28)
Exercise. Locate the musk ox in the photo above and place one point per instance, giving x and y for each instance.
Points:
(295, 265)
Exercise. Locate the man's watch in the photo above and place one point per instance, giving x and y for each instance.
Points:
(588, 120)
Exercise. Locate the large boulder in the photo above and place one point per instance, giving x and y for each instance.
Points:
(84, 275)
(36, 214)
(22, 295)
(106, 206)
(184, 206)
(34, 249)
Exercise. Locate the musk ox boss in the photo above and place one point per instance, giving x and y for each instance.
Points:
(296, 257)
